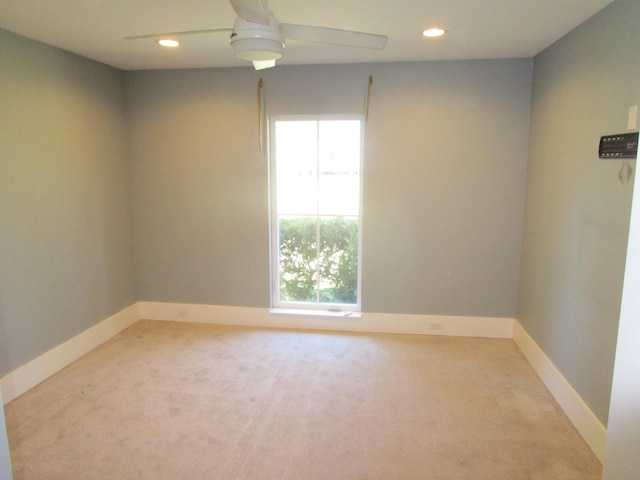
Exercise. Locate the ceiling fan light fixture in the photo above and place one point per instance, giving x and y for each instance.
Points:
(257, 49)
(262, 65)
(255, 42)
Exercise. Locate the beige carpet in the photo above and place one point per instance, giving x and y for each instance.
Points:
(185, 401)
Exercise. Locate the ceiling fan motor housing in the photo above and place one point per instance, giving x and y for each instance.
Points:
(257, 42)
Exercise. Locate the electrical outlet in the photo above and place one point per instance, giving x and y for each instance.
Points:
(433, 326)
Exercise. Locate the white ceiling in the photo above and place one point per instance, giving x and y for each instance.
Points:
(476, 28)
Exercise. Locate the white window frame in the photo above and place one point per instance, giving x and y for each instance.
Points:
(276, 303)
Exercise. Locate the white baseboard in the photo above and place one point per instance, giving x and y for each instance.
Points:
(39, 369)
(585, 421)
(493, 327)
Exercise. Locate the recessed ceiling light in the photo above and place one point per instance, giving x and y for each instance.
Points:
(166, 42)
(434, 32)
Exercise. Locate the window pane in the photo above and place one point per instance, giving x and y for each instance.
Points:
(298, 258)
(338, 260)
(297, 172)
(339, 167)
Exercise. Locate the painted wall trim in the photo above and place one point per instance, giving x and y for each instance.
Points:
(493, 327)
(39, 369)
(585, 421)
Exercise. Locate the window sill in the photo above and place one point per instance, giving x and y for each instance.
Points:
(316, 313)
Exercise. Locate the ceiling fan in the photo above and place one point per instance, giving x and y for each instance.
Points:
(258, 37)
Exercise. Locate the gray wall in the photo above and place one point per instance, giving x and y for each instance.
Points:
(444, 179)
(66, 248)
(577, 210)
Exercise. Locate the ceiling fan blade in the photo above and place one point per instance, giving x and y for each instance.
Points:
(332, 36)
(252, 10)
(175, 34)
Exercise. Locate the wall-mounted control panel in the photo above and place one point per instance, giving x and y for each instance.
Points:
(623, 145)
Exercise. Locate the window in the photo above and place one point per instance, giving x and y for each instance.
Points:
(315, 211)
